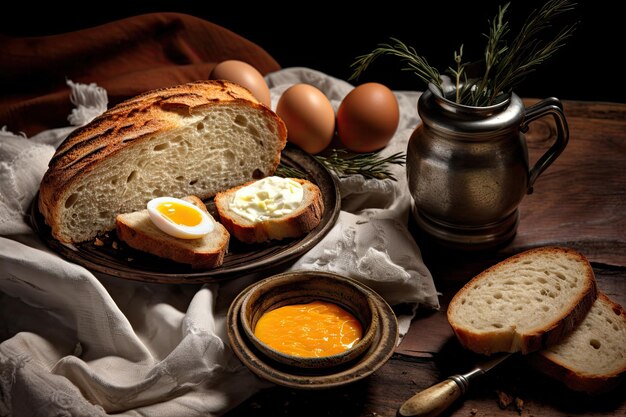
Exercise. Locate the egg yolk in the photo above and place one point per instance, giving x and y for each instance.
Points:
(309, 330)
(180, 214)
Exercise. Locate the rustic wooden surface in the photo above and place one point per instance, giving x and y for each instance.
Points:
(578, 202)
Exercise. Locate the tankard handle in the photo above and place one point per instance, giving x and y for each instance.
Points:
(549, 106)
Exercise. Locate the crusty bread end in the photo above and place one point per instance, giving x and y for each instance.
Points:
(139, 232)
(592, 358)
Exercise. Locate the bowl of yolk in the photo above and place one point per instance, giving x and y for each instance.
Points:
(309, 319)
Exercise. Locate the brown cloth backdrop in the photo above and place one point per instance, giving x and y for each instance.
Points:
(126, 57)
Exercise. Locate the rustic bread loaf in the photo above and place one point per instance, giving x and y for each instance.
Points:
(524, 303)
(592, 358)
(192, 139)
(295, 224)
(139, 232)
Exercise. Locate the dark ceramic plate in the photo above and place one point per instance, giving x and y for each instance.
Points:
(118, 260)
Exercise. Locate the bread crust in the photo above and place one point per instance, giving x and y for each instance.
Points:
(296, 224)
(127, 125)
(204, 253)
(510, 340)
(580, 380)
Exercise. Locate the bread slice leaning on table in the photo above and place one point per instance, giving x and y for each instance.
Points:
(525, 303)
(295, 224)
(138, 231)
(192, 139)
(592, 358)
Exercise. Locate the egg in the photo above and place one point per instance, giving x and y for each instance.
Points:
(368, 117)
(244, 74)
(179, 218)
(309, 117)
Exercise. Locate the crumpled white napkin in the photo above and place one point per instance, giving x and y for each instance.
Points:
(370, 241)
(73, 343)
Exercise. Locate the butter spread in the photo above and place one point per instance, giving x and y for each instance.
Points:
(268, 198)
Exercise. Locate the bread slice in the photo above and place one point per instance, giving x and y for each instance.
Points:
(192, 139)
(592, 358)
(139, 232)
(299, 222)
(524, 303)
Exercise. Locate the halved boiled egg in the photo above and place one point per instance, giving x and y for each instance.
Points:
(179, 218)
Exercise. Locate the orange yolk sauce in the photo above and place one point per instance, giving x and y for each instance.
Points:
(309, 330)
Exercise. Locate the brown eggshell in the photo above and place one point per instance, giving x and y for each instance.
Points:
(368, 117)
(309, 117)
(244, 74)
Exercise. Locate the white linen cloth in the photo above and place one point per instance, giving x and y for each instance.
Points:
(75, 343)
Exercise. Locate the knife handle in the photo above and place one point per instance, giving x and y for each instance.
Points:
(432, 401)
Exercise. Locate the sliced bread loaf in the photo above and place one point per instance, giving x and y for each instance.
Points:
(192, 139)
(524, 303)
(138, 231)
(592, 358)
(297, 222)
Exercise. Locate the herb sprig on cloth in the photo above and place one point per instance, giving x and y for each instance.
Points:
(370, 165)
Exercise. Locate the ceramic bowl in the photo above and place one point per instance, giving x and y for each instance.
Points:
(303, 287)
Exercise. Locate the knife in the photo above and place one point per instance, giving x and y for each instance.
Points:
(434, 400)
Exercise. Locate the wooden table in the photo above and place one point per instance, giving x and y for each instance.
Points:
(578, 202)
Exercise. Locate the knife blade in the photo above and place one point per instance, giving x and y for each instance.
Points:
(434, 400)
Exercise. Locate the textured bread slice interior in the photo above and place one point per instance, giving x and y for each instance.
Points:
(592, 358)
(524, 303)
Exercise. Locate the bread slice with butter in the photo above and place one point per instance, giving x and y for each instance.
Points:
(258, 223)
(191, 139)
(138, 231)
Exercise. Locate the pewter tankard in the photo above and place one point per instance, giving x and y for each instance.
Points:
(468, 167)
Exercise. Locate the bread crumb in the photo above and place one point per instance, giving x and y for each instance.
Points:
(114, 244)
(519, 405)
(504, 399)
(98, 242)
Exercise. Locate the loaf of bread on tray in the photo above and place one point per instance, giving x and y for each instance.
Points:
(304, 218)
(525, 303)
(192, 139)
(138, 231)
(592, 358)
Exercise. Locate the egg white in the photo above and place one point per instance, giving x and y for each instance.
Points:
(181, 231)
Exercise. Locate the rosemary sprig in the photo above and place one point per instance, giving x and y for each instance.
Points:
(370, 165)
(289, 172)
(494, 51)
(461, 84)
(416, 63)
(504, 66)
(527, 50)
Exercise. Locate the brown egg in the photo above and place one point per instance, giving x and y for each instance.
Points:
(309, 116)
(368, 117)
(245, 75)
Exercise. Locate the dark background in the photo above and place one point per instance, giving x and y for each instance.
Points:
(319, 36)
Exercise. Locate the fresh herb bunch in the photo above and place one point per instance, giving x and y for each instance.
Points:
(504, 65)
(370, 165)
